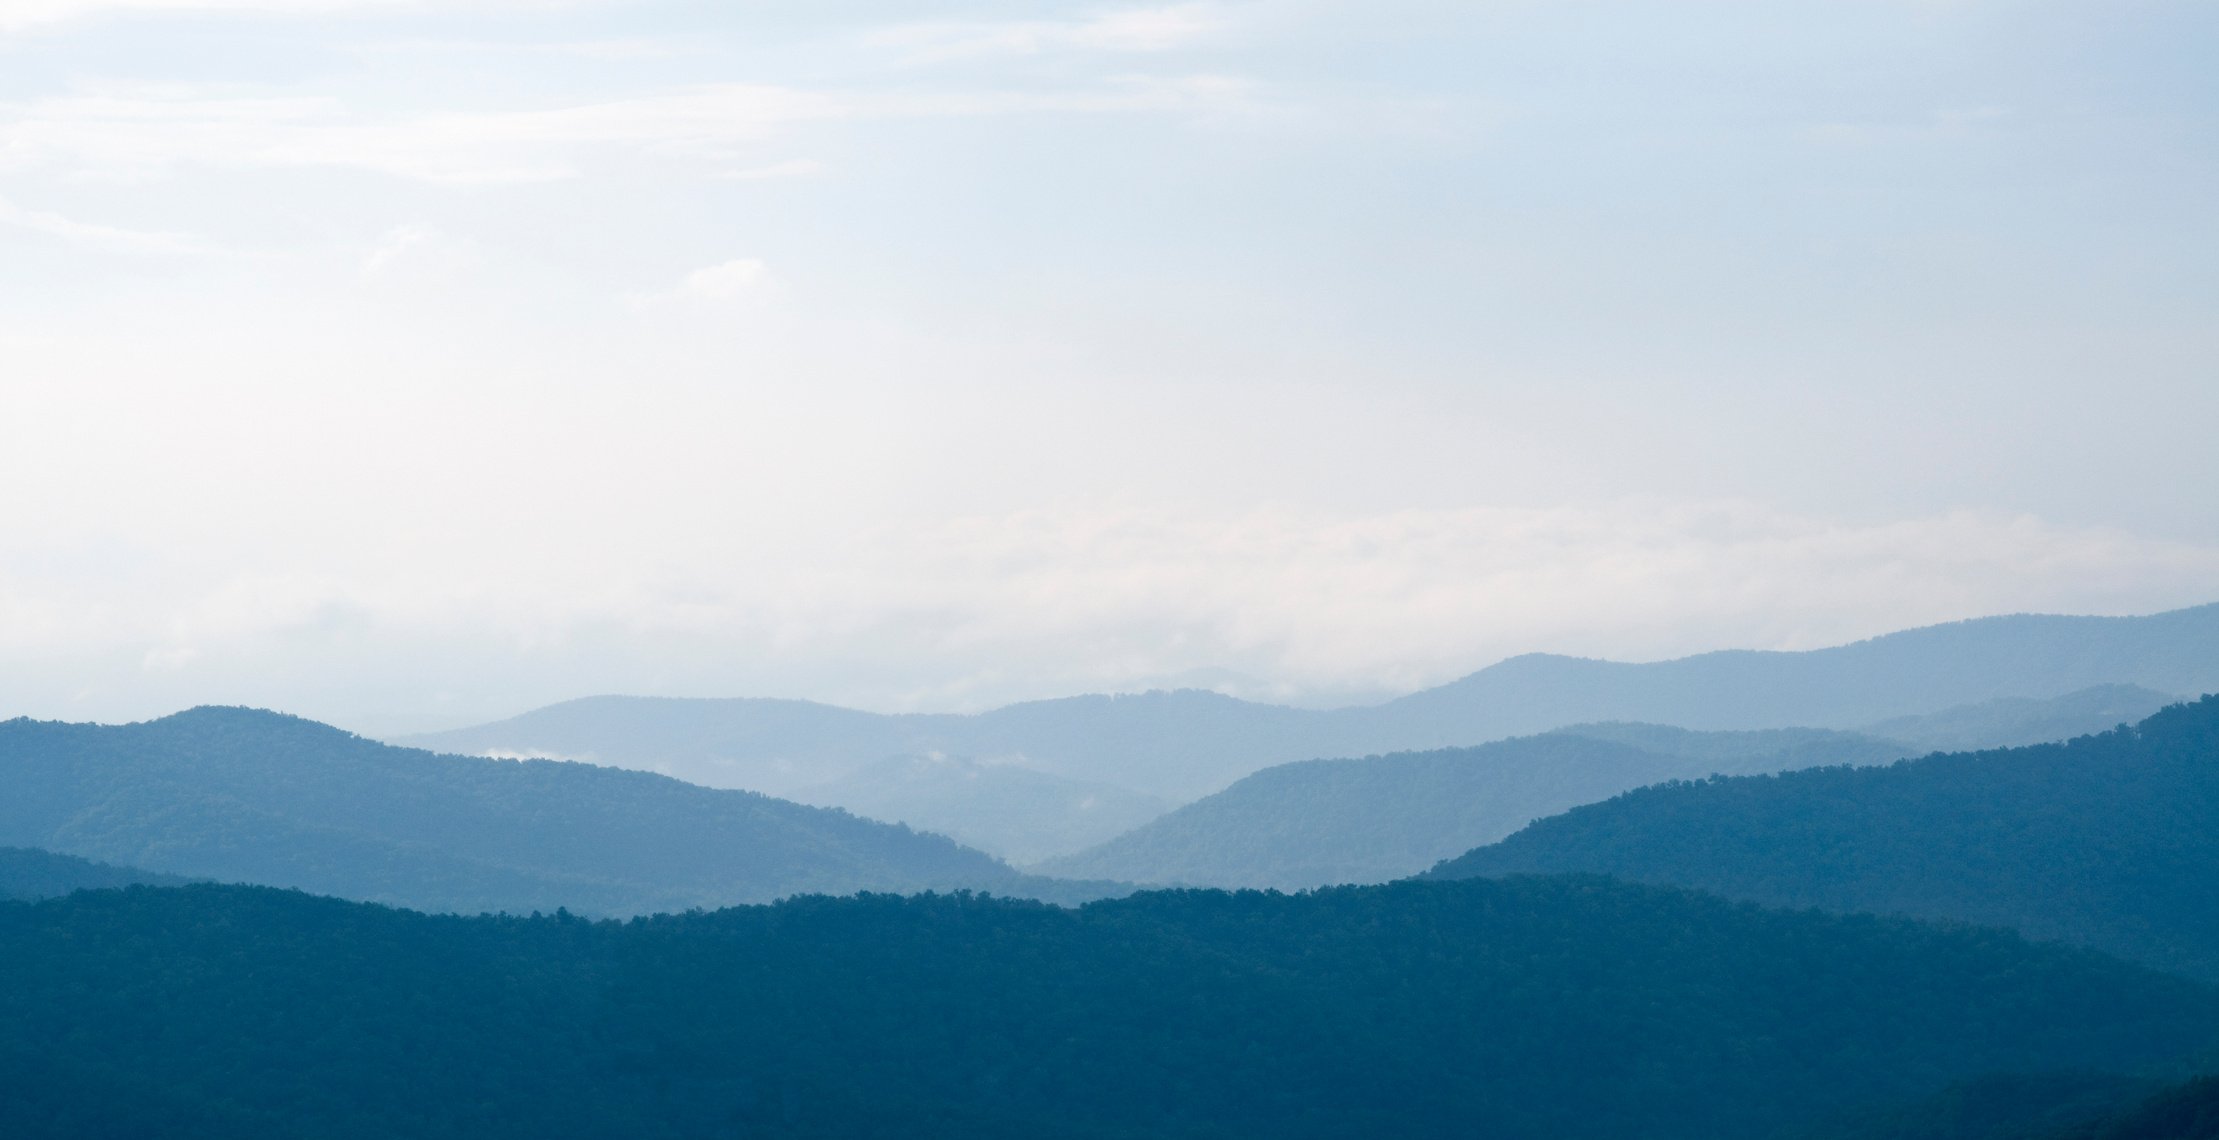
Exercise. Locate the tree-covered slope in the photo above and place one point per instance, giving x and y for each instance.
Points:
(1567, 1008)
(2014, 722)
(1369, 820)
(2185, 1112)
(27, 873)
(2043, 1106)
(242, 795)
(2001, 1106)
(1751, 750)
(2109, 841)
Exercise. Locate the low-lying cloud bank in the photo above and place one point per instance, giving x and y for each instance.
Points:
(973, 612)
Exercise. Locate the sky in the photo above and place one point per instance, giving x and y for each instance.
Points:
(406, 365)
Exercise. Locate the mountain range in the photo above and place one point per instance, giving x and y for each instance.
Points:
(1368, 820)
(1013, 812)
(1175, 747)
(243, 795)
(2010, 722)
(28, 874)
(1778, 933)
(1321, 822)
(2108, 841)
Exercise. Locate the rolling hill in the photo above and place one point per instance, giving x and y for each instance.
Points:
(1902, 674)
(2108, 841)
(1572, 1008)
(2014, 722)
(250, 796)
(28, 874)
(1013, 813)
(1180, 746)
(1369, 820)
(1172, 745)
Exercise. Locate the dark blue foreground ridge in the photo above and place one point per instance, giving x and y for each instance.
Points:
(2109, 841)
(1570, 1007)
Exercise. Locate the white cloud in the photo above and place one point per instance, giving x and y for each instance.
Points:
(169, 660)
(716, 286)
(99, 236)
(1410, 598)
(1946, 126)
(791, 168)
(17, 15)
(394, 245)
(727, 281)
(147, 130)
(421, 249)
(973, 612)
(1152, 29)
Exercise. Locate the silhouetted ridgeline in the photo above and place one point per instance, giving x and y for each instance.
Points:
(1568, 1008)
(2015, 722)
(1016, 813)
(2109, 841)
(248, 796)
(27, 874)
(1175, 745)
(1850, 686)
(1179, 746)
(1321, 822)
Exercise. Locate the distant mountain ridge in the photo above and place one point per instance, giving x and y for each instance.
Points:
(250, 796)
(2108, 841)
(1322, 822)
(28, 874)
(1168, 744)
(1179, 746)
(1016, 813)
(1900, 674)
(2014, 722)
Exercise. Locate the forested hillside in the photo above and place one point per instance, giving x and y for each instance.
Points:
(2002, 1106)
(27, 874)
(2185, 1112)
(1369, 820)
(2109, 841)
(1747, 750)
(2044, 1106)
(1573, 1008)
(2014, 722)
(247, 796)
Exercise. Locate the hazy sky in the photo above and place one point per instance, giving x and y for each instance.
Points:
(409, 364)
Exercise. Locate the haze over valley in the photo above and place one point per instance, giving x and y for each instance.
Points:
(1109, 570)
(1046, 778)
